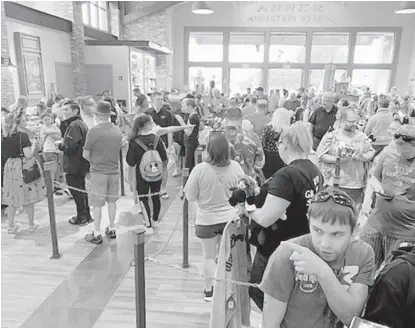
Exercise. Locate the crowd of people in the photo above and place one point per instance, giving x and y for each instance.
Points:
(336, 178)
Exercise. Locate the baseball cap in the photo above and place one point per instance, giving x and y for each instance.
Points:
(259, 89)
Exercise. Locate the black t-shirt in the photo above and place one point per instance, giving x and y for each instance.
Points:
(193, 139)
(296, 183)
(322, 121)
(12, 147)
(163, 118)
(136, 152)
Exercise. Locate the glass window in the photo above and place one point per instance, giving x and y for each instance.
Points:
(287, 47)
(103, 19)
(317, 78)
(94, 15)
(85, 13)
(377, 79)
(205, 47)
(289, 79)
(246, 48)
(243, 78)
(330, 47)
(200, 77)
(374, 48)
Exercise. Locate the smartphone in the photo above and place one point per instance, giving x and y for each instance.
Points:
(362, 323)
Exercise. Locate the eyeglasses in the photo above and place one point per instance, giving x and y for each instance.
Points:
(404, 137)
(338, 198)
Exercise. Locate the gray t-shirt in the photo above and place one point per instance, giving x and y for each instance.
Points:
(104, 141)
(258, 120)
(307, 305)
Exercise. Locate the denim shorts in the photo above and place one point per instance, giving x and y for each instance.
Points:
(210, 231)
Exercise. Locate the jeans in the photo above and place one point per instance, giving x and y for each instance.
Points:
(258, 269)
(80, 198)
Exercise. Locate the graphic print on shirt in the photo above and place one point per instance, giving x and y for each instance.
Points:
(309, 194)
(308, 283)
(234, 239)
(399, 177)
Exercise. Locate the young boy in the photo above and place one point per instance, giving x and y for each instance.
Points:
(320, 279)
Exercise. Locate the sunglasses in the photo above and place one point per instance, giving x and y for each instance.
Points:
(341, 199)
(404, 137)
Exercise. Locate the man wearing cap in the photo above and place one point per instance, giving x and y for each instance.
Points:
(378, 126)
(141, 103)
(322, 119)
(102, 147)
(246, 147)
(393, 180)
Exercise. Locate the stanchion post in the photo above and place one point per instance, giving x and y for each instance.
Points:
(185, 263)
(51, 205)
(140, 285)
(122, 174)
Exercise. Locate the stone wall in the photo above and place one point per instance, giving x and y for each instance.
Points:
(77, 51)
(7, 89)
(155, 28)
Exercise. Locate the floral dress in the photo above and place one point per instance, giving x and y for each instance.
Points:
(273, 161)
(15, 191)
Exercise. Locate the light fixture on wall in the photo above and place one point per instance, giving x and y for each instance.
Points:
(6, 62)
(201, 8)
(406, 7)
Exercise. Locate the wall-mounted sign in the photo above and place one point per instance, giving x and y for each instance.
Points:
(288, 13)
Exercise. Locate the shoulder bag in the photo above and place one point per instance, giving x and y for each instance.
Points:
(31, 174)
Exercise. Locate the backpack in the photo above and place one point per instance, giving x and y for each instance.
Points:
(404, 254)
(151, 165)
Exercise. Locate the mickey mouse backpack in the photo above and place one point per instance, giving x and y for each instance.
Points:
(151, 166)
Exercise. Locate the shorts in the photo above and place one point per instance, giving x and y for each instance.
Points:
(209, 231)
(107, 186)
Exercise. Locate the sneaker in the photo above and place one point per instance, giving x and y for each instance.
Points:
(34, 227)
(67, 193)
(149, 231)
(78, 221)
(177, 172)
(208, 295)
(13, 229)
(110, 233)
(93, 239)
(155, 223)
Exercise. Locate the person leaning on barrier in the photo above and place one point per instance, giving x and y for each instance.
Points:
(320, 279)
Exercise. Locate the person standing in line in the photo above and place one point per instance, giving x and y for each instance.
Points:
(74, 165)
(163, 118)
(102, 147)
(292, 103)
(260, 118)
(88, 105)
(141, 135)
(141, 104)
(191, 135)
(322, 119)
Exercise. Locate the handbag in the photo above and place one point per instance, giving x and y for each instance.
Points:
(31, 174)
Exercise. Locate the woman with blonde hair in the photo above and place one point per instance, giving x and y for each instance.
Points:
(286, 204)
(271, 134)
(209, 185)
(17, 156)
